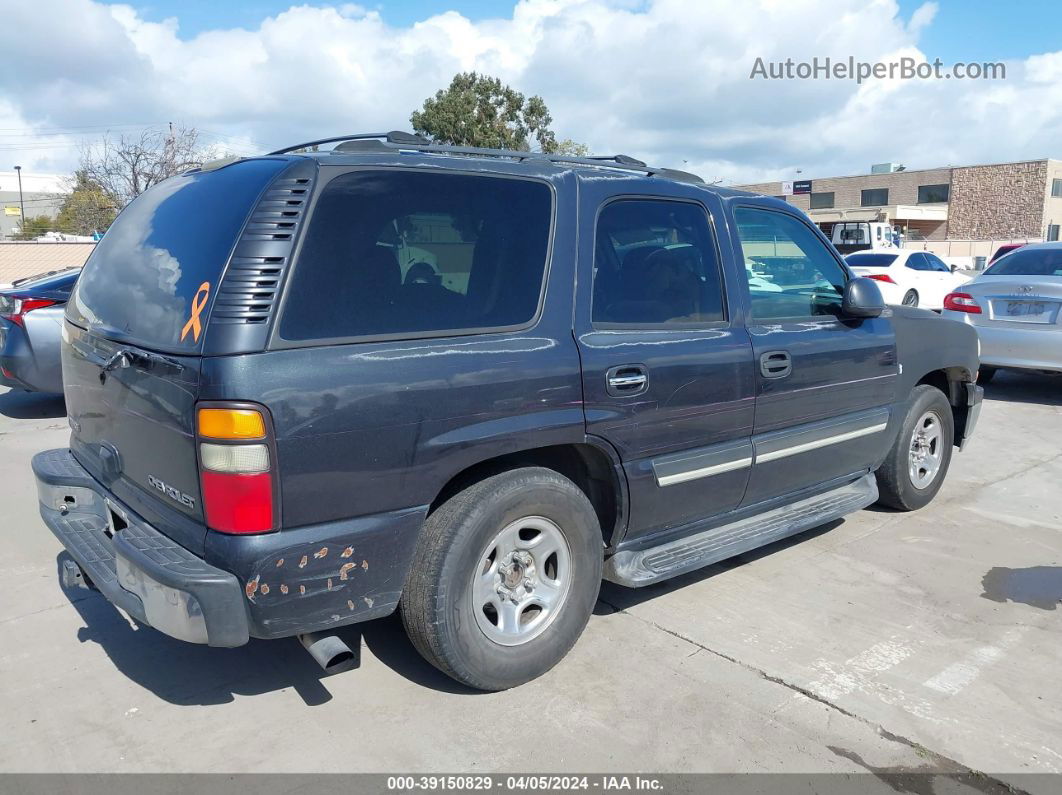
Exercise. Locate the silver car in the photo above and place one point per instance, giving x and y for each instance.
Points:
(1016, 307)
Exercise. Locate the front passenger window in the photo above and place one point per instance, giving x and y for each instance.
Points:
(655, 265)
(791, 272)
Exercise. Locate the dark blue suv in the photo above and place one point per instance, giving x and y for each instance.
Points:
(309, 388)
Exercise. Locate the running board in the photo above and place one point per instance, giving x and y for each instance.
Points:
(637, 568)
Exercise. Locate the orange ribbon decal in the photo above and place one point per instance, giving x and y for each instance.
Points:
(198, 305)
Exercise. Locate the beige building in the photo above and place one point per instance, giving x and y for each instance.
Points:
(968, 208)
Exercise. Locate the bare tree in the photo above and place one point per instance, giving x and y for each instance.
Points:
(126, 166)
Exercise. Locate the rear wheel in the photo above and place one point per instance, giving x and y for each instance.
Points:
(915, 467)
(504, 579)
(910, 298)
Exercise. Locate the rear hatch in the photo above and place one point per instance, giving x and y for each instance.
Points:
(134, 335)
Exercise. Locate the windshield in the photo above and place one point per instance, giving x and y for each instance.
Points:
(870, 260)
(157, 268)
(1028, 261)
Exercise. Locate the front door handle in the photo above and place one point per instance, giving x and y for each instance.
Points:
(776, 364)
(626, 380)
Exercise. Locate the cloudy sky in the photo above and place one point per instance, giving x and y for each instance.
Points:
(664, 80)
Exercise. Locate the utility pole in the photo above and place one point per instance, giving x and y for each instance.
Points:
(21, 204)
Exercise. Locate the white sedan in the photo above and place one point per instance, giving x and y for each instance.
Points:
(912, 278)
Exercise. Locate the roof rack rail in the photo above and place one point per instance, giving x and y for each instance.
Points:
(396, 139)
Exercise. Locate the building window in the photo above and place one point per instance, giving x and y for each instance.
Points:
(874, 197)
(933, 194)
(821, 201)
(1056, 188)
(1052, 232)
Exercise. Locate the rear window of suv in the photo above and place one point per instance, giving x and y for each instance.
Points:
(142, 281)
(413, 253)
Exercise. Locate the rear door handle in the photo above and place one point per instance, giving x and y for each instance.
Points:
(626, 380)
(776, 364)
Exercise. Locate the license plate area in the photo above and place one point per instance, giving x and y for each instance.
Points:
(1018, 310)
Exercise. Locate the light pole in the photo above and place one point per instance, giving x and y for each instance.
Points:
(21, 204)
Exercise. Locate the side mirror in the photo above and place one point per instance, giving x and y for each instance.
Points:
(862, 298)
(954, 268)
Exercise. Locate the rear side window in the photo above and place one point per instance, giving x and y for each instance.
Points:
(415, 253)
(655, 264)
(143, 279)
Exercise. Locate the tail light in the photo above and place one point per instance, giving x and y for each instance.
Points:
(881, 277)
(14, 308)
(961, 302)
(236, 469)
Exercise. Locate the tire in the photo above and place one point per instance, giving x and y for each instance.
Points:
(901, 484)
(446, 605)
(985, 374)
(910, 298)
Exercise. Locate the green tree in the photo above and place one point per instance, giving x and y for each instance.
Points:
(34, 227)
(478, 110)
(570, 147)
(86, 209)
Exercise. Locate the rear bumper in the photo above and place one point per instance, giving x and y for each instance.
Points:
(307, 579)
(1020, 348)
(18, 357)
(135, 567)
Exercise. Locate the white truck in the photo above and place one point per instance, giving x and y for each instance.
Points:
(849, 236)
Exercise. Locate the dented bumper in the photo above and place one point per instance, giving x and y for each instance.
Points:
(273, 585)
(138, 569)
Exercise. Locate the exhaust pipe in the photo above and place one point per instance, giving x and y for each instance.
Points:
(333, 655)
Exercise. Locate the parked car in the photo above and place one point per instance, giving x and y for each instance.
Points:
(1005, 249)
(276, 433)
(911, 278)
(31, 320)
(1016, 307)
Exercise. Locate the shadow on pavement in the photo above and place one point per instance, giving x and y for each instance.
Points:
(1036, 586)
(188, 674)
(1016, 387)
(20, 405)
(617, 597)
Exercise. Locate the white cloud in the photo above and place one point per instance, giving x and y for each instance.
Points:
(664, 80)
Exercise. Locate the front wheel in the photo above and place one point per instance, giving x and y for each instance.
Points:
(915, 467)
(504, 578)
(986, 374)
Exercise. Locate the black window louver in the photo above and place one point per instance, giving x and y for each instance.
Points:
(250, 287)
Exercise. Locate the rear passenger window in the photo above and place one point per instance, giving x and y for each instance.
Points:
(791, 272)
(398, 253)
(655, 264)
